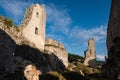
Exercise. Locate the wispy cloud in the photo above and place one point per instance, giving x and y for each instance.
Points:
(58, 19)
(100, 57)
(15, 9)
(98, 33)
(59, 38)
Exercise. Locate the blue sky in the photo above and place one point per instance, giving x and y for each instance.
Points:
(71, 22)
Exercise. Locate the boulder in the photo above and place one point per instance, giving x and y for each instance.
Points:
(31, 73)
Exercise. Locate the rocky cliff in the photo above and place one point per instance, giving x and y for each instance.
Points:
(112, 67)
(7, 48)
(57, 53)
(90, 54)
(15, 58)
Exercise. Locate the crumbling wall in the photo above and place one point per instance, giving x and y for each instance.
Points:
(90, 54)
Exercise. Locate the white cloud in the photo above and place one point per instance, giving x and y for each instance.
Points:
(15, 8)
(58, 19)
(100, 57)
(98, 33)
(58, 38)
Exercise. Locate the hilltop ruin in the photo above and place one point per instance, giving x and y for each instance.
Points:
(90, 54)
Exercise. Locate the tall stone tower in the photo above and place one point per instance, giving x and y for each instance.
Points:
(33, 25)
(90, 54)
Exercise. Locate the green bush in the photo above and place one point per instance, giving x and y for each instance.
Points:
(8, 22)
(53, 75)
(73, 57)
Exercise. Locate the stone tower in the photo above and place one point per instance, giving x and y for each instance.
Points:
(90, 54)
(33, 25)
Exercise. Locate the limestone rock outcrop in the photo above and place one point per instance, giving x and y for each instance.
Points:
(57, 53)
(112, 67)
(31, 73)
(90, 54)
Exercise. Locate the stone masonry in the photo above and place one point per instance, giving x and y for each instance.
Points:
(90, 54)
(34, 25)
(57, 49)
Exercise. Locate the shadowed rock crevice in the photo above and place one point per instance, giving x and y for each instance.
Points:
(33, 55)
(55, 63)
(7, 48)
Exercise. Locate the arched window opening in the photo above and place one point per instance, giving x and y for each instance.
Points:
(36, 30)
(37, 14)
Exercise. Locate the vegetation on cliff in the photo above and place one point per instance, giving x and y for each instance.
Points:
(74, 57)
(8, 22)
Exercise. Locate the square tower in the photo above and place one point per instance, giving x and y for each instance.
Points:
(33, 25)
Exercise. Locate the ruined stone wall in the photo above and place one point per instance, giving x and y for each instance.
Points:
(58, 50)
(90, 54)
(34, 25)
(32, 29)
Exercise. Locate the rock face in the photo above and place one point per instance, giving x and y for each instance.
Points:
(90, 54)
(31, 73)
(113, 42)
(57, 53)
(7, 48)
(34, 56)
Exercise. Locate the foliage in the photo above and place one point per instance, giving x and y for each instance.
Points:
(8, 22)
(17, 29)
(100, 63)
(78, 66)
(73, 57)
(53, 75)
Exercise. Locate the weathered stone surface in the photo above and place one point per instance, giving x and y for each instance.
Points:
(90, 54)
(33, 25)
(57, 53)
(7, 48)
(31, 73)
(113, 42)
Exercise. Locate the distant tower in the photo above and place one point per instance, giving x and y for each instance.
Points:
(33, 25)
(90, 54)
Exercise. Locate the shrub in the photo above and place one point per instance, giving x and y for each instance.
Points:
(73, 57)
(8, 22)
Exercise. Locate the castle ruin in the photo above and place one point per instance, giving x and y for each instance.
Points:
(90, 54)
(34, 25)
(32, 32)
(32, 29)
